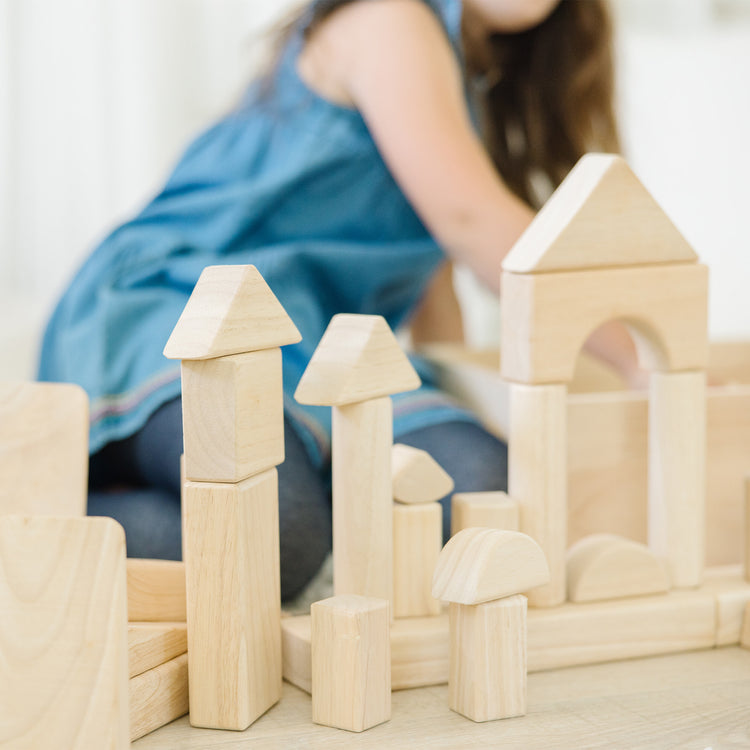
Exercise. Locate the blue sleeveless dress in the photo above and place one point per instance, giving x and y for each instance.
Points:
(288, 182)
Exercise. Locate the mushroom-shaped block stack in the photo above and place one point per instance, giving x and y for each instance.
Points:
(482, 573)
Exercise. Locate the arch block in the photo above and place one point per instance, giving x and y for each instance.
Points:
(546, 318)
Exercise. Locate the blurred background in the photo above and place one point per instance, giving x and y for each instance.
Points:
(99, 97)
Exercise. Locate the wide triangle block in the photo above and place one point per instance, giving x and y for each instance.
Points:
(231, 310)
(357, 359)
(600, 216)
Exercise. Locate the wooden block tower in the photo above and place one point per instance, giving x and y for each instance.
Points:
(228, 339)
(355, 368)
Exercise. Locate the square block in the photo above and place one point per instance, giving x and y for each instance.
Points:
(495, 510)
(233, 416)
(351, 662)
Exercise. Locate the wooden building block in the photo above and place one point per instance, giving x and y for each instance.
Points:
(488, 659)
(44, 456)
(233, 416)
(362, 501)
(480, 565)
(63, 634)
(231, 310)
(745, 635)
(601, 215)
(537, 460)
(233, 600)
(747, 528)
(677, 473)
(152, 644)
(417, 541)
(731, 593)
(156, 591)
(417, 476)
(606, 566)
(357, 359)
(351, 662)
(493, 510)
(546, 318)
(158, 696)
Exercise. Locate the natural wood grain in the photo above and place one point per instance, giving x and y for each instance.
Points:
(479, 565)
(745, 634)
(231, 310)
(494, 510)
(546, 318)
(357, 359)
(233, 600)
(156, 591)
(233, 416)
(487, 678)
(63, 634)
(677, 473)
(151, 644)
(731, 594)
(601, 215)
(693, 700)
(417, 540)
(44, 457)
(537, 455)
(607, 566)
(362, 500)
(351, 662)
(746, 519)
(158, 696)
(417, 477)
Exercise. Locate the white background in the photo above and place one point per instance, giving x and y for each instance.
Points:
(99, 97)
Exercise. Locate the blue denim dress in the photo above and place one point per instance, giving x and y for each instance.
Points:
(288, 182)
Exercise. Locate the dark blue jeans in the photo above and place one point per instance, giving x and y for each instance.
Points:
(137, 482)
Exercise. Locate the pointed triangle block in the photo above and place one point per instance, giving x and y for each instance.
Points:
(231, 311)
(600, 216)
(357, 359)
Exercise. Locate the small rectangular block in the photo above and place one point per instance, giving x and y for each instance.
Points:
(417, 541)
(495, 510)
(156, 590)
(234, 600)
(351, 662)
(233, 416)
(151, 644)
(488, 659)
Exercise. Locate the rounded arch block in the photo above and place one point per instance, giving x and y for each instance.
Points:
(546, 318)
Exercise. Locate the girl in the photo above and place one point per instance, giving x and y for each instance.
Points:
(387, 136)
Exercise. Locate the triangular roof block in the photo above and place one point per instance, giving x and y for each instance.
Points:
(357, 359)
(231, 310)
(600, 216)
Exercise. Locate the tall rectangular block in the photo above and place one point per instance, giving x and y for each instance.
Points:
(233, 416)
(233, 600)
(351, 662)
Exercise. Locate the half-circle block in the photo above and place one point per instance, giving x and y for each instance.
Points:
(231, 311)
(357, 359)
(417, 476)
(607, 566)
(601, 215)
(479, 565)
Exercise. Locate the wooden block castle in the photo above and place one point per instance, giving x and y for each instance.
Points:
(600, 249)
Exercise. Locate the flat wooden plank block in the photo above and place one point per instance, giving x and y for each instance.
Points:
(231, 310)
(493, 510)
(601, 215)
(351, 662)
(233, 416)
(357, 359)
(417, 477)
(417, 541)
(487, 678)
(546, 318)
(362, 500)
(158, 696)
(152, 644)
(156, 591)
(63, 634)
(233, 600)
(44, 456)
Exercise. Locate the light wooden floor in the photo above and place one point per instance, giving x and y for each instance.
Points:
(693, 701)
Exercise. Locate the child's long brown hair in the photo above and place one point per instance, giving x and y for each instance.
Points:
(547, 96)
